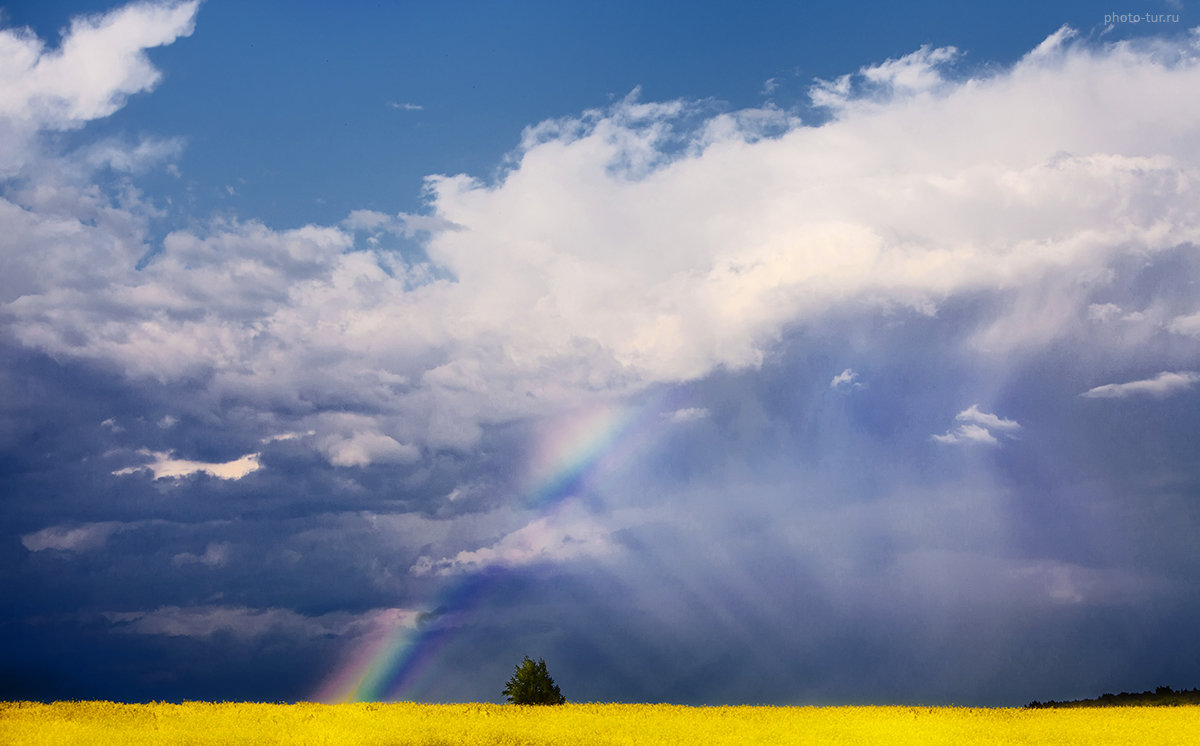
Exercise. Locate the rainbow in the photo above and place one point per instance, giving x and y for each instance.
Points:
(390, 661)
(580, 453)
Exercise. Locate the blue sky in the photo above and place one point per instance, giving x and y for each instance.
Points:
(801, 354)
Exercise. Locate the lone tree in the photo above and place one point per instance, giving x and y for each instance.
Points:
(531, 684)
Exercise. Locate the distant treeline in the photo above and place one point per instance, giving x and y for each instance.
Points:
(1163, 696)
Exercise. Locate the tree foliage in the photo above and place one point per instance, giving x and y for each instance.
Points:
(531, 684)
(1163, 696)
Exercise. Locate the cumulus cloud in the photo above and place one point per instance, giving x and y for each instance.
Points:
(361, 449)
(643, 243)
(99, 63)
(356, 440)
(1162, 385)
(979, 427)
(164, 465)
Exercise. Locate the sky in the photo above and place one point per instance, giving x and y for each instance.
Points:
(790, 353)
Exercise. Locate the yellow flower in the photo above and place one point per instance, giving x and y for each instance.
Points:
(200, 723)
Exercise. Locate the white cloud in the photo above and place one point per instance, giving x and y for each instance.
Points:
(638, 244)
(847, 379)
(967, 433)
(133, 158)
(287, 436)
(99, 63)
(165, 466)
(1162, 385)
(1188, 325)
(689, 414)
(361, 449)
(831, 94)
(978, 427)
(992, 422)
(356, 440)
(919, 72)
(912, 219)
(1053, 45)
(915, 72)
(563, 536)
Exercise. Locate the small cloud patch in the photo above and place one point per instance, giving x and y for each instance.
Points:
(1162, 385)
(363, 449)
(215, 554)
(112, 426)
(165, 466)
(845, 381)
(978, 426)
(549, 539)
(77, 539)
(690, 414)
(1103, 312)
(1187, 325)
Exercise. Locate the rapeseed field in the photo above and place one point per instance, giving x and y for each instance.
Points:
(29, 723)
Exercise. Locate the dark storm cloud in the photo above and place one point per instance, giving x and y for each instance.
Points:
(93, 557)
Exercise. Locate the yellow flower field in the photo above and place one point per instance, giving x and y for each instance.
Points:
(60, 723)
